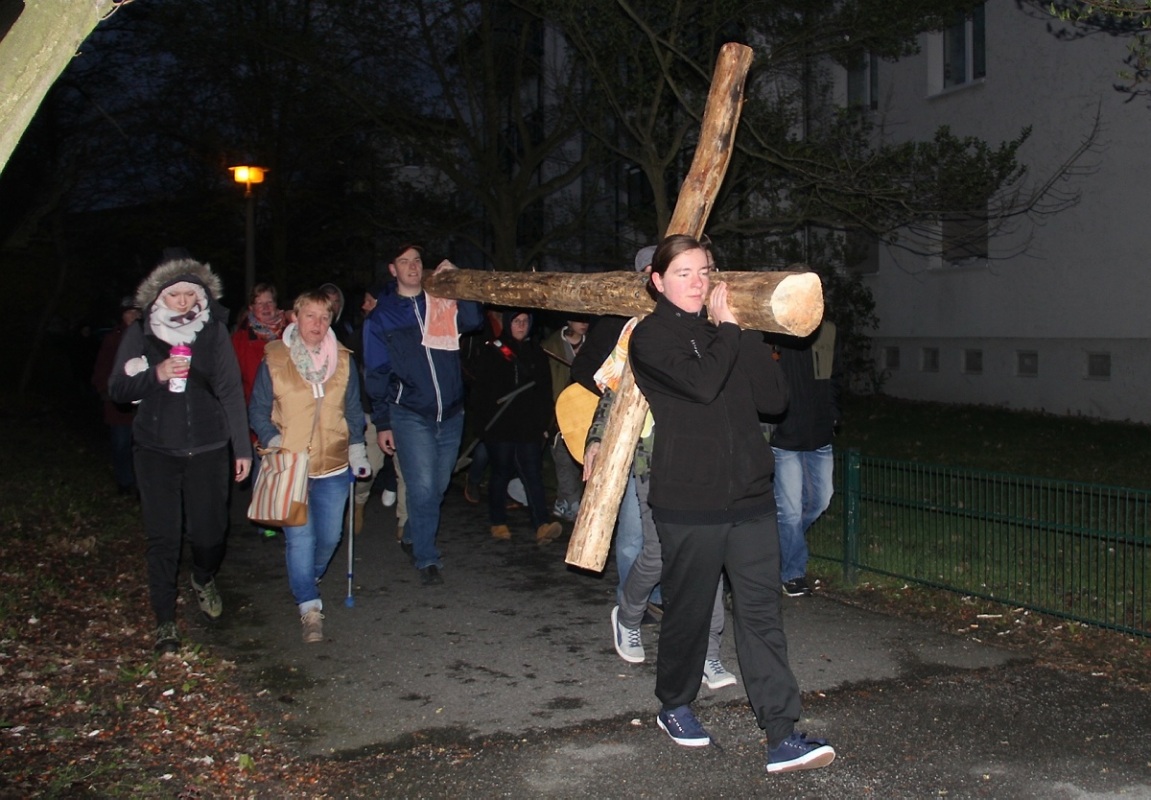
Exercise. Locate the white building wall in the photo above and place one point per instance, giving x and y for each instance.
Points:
(1071, 284)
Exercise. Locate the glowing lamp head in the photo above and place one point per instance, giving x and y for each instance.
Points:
(248, 175)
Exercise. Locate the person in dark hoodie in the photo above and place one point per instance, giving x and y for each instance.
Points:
(190, 431)
(712, 501)
(117, 416)
(343, 328)
(514, 382)
(801, 444)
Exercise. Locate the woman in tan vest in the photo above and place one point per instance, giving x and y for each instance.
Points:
(307, 399)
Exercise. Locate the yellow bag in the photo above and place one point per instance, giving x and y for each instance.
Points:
(575, 410)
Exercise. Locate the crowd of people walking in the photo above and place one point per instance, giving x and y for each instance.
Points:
(717, 504)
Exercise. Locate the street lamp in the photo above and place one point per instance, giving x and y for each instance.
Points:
(247, 176)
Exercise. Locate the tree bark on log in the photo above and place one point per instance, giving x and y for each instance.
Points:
(779, 302)
(591, 539)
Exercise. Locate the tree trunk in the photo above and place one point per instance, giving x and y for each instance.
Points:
(780, 302)
(591, 538)
(39, 39)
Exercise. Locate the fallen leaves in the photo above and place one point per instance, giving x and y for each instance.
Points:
(88, 709)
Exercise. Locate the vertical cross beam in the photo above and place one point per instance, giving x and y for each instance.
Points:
(591, 539)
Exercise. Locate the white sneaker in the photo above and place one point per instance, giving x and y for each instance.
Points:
(388, 497)
(516, 491)
(628, 641)
(715, 676)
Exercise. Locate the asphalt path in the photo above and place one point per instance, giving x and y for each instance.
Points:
(511, 661)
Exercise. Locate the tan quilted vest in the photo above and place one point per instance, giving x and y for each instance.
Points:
(294, 409)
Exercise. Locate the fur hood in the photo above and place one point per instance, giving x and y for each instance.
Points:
(174, 271)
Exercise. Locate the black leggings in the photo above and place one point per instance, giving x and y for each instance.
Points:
(178, 494)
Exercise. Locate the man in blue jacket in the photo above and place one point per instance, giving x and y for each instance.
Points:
(412, 372)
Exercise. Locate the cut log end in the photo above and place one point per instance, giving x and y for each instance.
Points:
(797, 303)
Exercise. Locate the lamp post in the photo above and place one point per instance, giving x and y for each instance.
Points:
(247, 176)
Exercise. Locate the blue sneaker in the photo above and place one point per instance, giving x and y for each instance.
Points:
(682, 726)
(797, 752)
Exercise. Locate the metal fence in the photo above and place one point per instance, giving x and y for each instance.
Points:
(1075, 550)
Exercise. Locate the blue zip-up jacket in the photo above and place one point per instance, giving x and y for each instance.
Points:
(399, 369)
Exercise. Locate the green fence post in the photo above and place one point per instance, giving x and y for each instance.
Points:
(852, 489)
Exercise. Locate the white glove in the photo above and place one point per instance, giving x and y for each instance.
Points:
(134, 366)
(358, 460)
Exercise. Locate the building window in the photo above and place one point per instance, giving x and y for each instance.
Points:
(964, 237)
(965, 49)
(639, 194)
(891, 358)
(862, 252)
(1099, 366)
(1026, 363)
(973, 362)
(929, 359)
(863, 83)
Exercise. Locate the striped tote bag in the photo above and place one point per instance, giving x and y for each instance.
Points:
(280, 496)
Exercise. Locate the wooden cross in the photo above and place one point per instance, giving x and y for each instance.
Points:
(784, 302)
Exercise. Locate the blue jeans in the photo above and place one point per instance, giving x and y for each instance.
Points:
(628, 534)
(641, 585)
(310, 547)
(427, 451)
(803, 488)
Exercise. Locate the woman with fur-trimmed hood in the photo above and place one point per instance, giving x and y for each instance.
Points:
(187, 440)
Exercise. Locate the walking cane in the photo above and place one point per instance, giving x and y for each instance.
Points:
(466, 457)
(349, 601)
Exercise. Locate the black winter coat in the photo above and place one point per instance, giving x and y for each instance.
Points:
(206, 416)
(598, 344)
(502, 367)
(707, 386)
(811, 416)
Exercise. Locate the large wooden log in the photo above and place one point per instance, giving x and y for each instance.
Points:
(781, 302)
(591, 539)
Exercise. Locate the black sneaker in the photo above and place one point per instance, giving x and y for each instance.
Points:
(430, 576)
(797, 588)
(408, 551)
(167, 638)
(797, 752)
